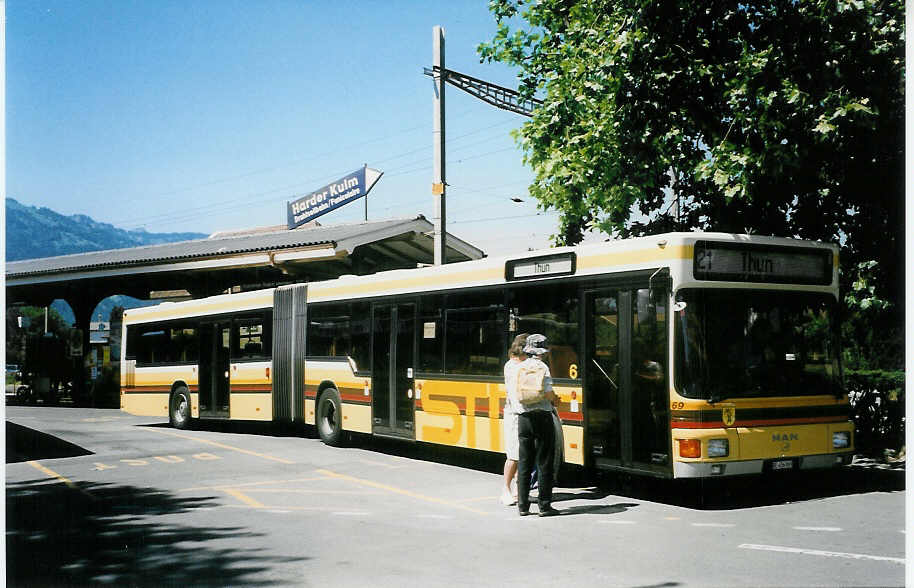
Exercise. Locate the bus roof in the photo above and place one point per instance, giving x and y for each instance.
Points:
(672, 250)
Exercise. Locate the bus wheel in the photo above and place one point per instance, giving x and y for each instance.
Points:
(330, 418)
(179, 409)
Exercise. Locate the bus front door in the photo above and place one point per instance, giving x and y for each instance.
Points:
(392, 378)
(626, 381)
(214, 373)
(602, 379)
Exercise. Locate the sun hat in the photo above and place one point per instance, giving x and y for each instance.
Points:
(536, 345)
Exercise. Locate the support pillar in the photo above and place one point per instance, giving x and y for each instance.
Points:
(82, 309)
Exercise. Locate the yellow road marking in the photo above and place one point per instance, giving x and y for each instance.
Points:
(304, 491)
(249, 484)
(284, 508)
(223, 446)
(382, 464)
(479, 499)
(401, 491)
(245, 498)
(51, 473)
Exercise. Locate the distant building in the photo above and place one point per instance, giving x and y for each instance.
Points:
(99, 332)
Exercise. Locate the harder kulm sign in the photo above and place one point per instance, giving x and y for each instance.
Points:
(332, 196)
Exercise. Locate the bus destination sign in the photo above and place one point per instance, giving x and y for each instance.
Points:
(563, 264)
(332, 196)
(737, 262)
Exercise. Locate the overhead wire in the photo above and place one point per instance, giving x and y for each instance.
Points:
(297, 161)
(243, 201)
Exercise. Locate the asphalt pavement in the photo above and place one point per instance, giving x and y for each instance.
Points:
(99, 497)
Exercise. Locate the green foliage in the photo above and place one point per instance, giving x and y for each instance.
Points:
(878, 400)
(765, 117)
(872, 327)
(34, 316)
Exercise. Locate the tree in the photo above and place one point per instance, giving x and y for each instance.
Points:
(776, 117)
(32, 320)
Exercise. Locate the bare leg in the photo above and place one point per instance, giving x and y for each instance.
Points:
(506, 497)
(510, 472)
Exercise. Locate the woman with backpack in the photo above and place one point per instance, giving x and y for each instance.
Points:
(536, 435)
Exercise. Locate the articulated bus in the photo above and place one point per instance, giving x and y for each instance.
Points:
(683, 355)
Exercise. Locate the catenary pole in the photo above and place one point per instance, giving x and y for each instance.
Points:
(438, 185)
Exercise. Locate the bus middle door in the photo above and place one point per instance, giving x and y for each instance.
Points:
(392, 366)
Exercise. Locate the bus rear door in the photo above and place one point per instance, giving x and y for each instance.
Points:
(215, 349)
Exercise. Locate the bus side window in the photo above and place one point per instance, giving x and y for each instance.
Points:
(340, 330)
(152, 345)
(431, 333)
(328, 326)
(553, 311)
(474, 334)
(360, 333)
(133, 341)
(248, 338)
(184, 345)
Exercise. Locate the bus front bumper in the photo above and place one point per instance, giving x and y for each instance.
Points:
(757, 466)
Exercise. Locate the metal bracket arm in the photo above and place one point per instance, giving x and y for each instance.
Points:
(499, 96)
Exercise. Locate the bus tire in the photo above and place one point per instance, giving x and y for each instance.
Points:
(329, 418)
(179, 408)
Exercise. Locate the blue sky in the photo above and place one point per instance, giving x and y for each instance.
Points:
(211, 114)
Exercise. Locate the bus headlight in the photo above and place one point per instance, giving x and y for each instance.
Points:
(841, 440)
(718, 447)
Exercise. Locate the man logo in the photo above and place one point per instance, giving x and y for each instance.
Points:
(729, 416)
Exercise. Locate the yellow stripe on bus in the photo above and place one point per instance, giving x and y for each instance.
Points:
(638, 256)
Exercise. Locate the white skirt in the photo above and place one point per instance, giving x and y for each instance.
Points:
(512, 445)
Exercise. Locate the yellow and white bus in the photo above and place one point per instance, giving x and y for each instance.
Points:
(680, 355)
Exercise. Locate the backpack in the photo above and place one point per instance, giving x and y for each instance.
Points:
(531, 378)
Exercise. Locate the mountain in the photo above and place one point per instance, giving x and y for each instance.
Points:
(28, 231)
(40, 232)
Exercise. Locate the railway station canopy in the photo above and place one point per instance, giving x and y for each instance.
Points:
(242, 260)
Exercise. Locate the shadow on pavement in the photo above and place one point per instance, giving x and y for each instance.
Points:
(598, 509)
(260, 429)
(485, 461)
(709, 494)
(754, 491)
(712, 494)
(120, 536)
(24, 444)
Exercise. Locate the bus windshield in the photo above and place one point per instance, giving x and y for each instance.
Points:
(752, 343)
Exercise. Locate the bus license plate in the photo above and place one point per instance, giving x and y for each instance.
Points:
(784, 464)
